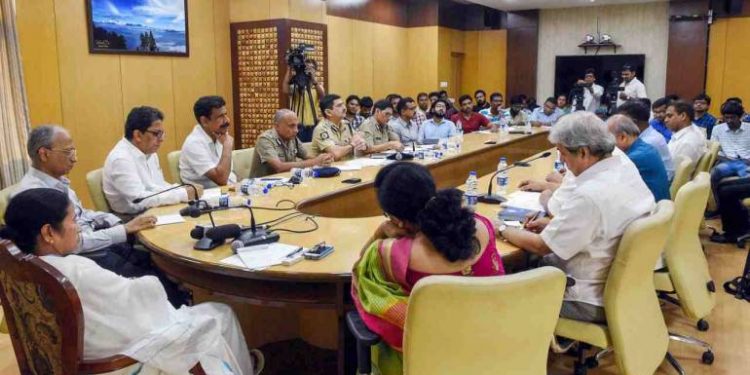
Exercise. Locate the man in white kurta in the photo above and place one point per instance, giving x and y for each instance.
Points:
(132, 316)
(688, 141)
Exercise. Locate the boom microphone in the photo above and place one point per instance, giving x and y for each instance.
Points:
(496, 199)
(139, 200)
(223, 232)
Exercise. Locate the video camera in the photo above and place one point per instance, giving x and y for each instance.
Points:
(295, 58)
(576, 94)
(611, 92)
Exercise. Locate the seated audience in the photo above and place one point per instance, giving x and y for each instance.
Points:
(437, 127)
(420, 113)
(132, 171)
(688, 141)
(562, 103)
(206, 157)
(481, 99)
(703, 119)
(122, 315)
(352, 112)
(428, 232)
(583, 234)
(279, 150)
(733, 137)
(517, 116)
(333, 134)
(377, 133)
(365, 106)
(434, 96)
(659, 109)
(746, 116)
(450, 108)
(639, 113)
(393, 100)
(404, 125)
(495, 113)
(546, 115)
(644, 156)
(467, 120)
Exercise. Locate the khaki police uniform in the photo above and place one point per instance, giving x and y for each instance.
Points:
(328, 134)
(270, 146)
(375, 134)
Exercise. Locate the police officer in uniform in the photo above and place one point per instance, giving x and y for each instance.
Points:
(279, 150)
(378, 134)
(333, 134)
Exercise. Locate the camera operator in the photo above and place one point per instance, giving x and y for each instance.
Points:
(305, 113)
(592, 93)
(632, 87)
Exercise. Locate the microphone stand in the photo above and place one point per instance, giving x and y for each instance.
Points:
(195, 191)
(497, 199)
(206, 243)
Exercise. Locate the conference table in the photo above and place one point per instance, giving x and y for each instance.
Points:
(309, 299)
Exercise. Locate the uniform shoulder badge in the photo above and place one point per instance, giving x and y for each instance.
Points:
(324, 135)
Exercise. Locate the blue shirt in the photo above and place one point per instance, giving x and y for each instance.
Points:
(662, 128)
(707, 121)
(656, 140)
(539, 116)
(432, 130)
(647, 160)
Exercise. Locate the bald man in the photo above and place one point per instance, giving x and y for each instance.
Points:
(278, 150)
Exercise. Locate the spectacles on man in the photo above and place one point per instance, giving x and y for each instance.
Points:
(159, 134)
(69, 152)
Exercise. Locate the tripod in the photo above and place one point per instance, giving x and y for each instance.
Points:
(299, 101)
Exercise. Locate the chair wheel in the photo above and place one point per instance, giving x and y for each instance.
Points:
(707, 358)
(591, 362)
(702, 325)
(579, 369)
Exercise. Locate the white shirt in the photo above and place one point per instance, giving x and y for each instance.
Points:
(735, 144)
(591, 101)
(689, 143)
(634, 89)
(129, 174)
(132, 316)
(87, 220)
(585, 233)
(199, 155)
(654, 138)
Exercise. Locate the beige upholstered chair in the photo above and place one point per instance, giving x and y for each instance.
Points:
(4, 198)
(94, 182)
(173, 161)
(242, 160)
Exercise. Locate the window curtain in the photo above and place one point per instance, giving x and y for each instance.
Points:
(14, 113)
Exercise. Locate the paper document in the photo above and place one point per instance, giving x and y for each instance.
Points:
(261, 256)
(524, 199)
(211, 193)
(169, 219)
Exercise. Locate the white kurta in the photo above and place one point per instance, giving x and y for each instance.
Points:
(133, 317)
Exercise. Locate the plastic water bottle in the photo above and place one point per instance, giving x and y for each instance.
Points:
(459, 140)
(501, 180)
(527, 126)
(559, 166)
(472, 192)
(302, 173)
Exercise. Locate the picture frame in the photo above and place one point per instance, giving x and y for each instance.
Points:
(138, 27)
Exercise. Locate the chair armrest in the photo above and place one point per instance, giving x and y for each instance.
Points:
(360, 331)
(108, 364)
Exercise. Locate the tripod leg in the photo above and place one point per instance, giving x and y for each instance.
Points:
(312, 103)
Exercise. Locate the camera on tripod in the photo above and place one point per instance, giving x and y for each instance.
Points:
(610, 94)
(295, 58)
(576, 94)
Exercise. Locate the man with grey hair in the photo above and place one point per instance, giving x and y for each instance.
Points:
(582, 236)
(645, 157)
(103, 237)
(279, 150)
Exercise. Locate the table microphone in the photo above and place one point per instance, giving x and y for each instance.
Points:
(139, 200)
(496, 199)
(255, 235)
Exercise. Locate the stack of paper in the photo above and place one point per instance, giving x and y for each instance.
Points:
(524, 199)
(261, 256)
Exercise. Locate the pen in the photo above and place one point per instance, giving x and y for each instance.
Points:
(295, 252)
(536, 216)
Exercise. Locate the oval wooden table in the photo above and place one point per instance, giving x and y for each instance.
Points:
(310, 298)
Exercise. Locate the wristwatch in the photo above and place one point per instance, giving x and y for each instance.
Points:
(501, 227)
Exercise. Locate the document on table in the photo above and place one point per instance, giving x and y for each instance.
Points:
(260, 257)
(524, 199)
(211, 193)
(169, 219)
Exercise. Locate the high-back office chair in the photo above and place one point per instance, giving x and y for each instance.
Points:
(4, 198)
(475, 325)
(682, 174)
(635, 328)
(243, 162)
(173, 160)
(706, 162)
(688, 275)
(94, 182)
(45, 318)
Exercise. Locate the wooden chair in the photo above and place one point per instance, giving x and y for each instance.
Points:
(45, 318)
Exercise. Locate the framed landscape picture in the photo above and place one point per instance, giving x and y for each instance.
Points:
(143, 27)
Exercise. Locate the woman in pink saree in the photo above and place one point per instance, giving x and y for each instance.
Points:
(428, 232)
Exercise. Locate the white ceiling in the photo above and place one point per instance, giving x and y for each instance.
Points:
(509, 5)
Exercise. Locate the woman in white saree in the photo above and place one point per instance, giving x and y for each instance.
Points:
(127, 316)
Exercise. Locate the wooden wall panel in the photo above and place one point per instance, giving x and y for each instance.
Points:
(523, 34)
(422, 66)
(39, 55)
(686, 57)
(222, 54)
(727, 61)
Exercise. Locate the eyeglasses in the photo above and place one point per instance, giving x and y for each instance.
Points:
(159, 134)
(69, 152)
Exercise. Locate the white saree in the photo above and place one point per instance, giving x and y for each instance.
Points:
(133, 317)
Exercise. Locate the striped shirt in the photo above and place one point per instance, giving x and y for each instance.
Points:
(735, 144)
